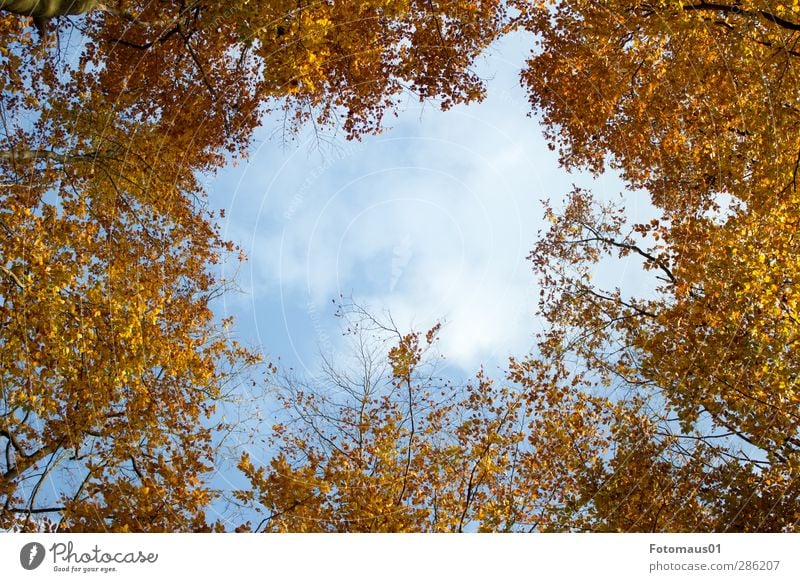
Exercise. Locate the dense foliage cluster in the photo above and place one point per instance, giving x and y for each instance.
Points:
(674, 410)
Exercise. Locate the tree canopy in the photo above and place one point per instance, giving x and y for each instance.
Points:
(696, 104)
(112, 359)
(676, 409)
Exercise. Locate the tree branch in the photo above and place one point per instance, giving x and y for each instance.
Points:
(28, 155)
(35, 510)
(737, 10)
(45, 9)
(629, 247)
(29, 461)
(136, 20)
(13, 276)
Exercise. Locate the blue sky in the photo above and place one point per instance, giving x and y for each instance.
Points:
(431, 220)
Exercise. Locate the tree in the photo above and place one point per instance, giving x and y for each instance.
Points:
(674, 410)
(112, 360)
(684, 396)
(694, 103)
(671, 410)
(382, 443)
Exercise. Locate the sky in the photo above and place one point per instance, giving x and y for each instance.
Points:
(431, 220)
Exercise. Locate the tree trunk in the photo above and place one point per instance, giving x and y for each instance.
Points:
(44, 9)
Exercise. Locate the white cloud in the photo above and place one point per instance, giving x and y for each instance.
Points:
(432, 220)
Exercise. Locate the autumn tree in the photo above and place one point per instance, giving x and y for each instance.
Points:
(695, 104)
(382, 441)
(671, 409)
(112, 359)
